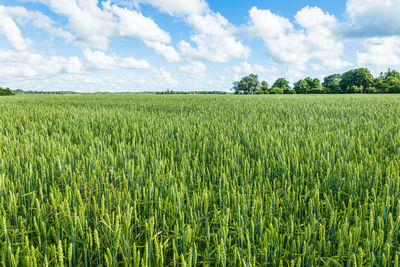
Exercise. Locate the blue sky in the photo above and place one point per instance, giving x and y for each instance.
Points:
(151, 45)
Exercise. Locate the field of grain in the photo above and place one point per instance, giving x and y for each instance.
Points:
(129, 180)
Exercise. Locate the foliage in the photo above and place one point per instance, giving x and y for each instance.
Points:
(356, 81)
(127, 180)
(247, 85)
(283, 84)
(5, 92)
(331, 84)
(391, 80)
(308, 86)
(264, 89)
(275, 90)
(351, 82)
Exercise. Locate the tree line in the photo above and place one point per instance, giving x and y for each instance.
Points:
(355, 81)
(6, 91)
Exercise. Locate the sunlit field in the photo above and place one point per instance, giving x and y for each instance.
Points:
(135, 180)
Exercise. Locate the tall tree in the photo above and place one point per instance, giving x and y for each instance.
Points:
(282, 85)
(308, 86)
(247, 85)
(264, 87)
(331, 84)
(302, 87)
(356, 81)
(392, 81)
(5, 91)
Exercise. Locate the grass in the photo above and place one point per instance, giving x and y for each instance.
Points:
(199, 180)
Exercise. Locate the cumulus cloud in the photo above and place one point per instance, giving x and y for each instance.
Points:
(134, 24)
(267, 25)
(133, 63)
(380, 52)
(195, 69)
(164, 78)
(23, 64)
(214, 48)
(98, 60)
(247, 68)
(315, 39)
(38, 20)
(93, 26)
(10, 30)
(169, 52)
(178, 7)
(214, 39)
(370, 18)
(34, 71)
(294, 75)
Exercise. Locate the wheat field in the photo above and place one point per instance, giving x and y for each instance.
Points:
(144, 180)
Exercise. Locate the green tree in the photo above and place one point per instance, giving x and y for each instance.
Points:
(380, 85)
(247, 85)
(283, 85)
(392, 81)
(331, 84)
(388, 82)
(302, 87)
(276, 90)
(5, 92)
(263, 88)
(356, 81)
(308, 86)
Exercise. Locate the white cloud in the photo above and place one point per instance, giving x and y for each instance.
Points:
(213, 36)
(163, 78)
(133, 63)
(214, 48)
(178, 7)
(380, 52)
(94, 26)
(294, 75)
(290, 49)
(34, 71)
(169, 52)
(321, 38)
(211, 23)
(371, 18)
(267, 25)
(98, 60)
(90, 24)
(195, 69)
(9, 28)
(22, 64)
(316, 21)
(246, 68)
(315, 39)
(37, 19)
(134, 24)
(214, 39)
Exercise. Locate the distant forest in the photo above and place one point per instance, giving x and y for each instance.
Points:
(356, 81)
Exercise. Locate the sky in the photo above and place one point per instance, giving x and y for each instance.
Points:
(190, 45)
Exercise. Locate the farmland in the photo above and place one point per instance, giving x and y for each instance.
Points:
(135, 180)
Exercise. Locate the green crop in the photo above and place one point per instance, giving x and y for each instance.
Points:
(125, 180)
